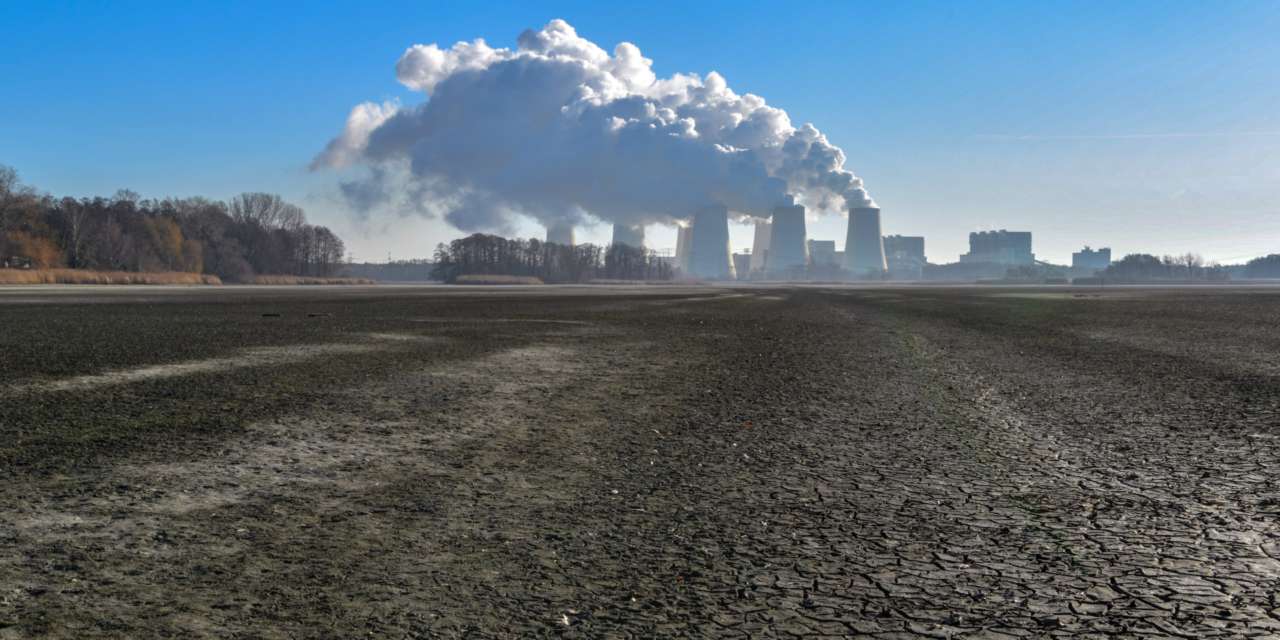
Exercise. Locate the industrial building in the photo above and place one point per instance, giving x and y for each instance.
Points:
(630, 235)
(684, 235)
(904, 248)
(759, 248)
(742, 265)
(822, 252)
(560, 233)
(863, 247)
(1000, 247)
(709, 244)
(905, 256)
(787, 250)
(1091, 259)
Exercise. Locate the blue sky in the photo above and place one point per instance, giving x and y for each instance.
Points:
(1150, 126)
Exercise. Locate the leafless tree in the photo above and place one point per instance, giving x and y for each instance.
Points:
(268, 210)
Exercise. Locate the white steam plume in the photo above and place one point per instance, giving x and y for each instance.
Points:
(558, 129)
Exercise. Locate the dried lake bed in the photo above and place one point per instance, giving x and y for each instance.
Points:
(316, 462)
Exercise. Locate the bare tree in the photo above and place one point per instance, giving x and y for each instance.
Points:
(267, 210)
(76, 218)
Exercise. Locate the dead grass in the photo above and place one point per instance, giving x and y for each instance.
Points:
(497, 279)
(306, 280)
(85, 276)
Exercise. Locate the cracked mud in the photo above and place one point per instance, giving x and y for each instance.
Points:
(632, 462)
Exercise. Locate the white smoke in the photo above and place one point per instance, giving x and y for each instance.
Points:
(558, 129)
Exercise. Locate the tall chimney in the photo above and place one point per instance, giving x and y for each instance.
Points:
(864, 247)
(709, 244)
(560, 233)
(787, 248)
(630, 235)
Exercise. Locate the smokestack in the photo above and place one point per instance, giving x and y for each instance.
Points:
(709, 244)
(787, 249)
(760, 248)
(630, 235)
(864, 247)
(560, 234)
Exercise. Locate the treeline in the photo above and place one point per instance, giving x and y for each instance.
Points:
(1141, 267)
(252, 234)
(1264, 267)
(481, 254)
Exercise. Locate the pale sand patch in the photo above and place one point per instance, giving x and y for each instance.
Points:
(322, 458)
(256, 357)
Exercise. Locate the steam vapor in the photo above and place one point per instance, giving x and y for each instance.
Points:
(559, 130)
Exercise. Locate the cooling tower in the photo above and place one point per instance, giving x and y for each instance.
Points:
(760, 248)
(863, 247)
(709, 244)
(560, 234)
(683, 236)
(787, 250)
(632, 236)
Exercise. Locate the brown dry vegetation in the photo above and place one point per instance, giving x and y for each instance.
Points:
(496, 279)
(86, 276)
(294, 280)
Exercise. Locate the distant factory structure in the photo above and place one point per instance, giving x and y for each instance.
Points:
(742, 265)
(864, 246)
(782, 251)
(822, 252)
(1091, 259)
(560, 234)
(684, 236)
(708, 244)
(905, 256)
(1011, 248)
(630, 235)
(759, 248)
(788, 253)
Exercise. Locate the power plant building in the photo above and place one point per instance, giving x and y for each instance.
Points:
(904, 249)
(905, 256)
(864, 247)
(683, 237)
(630, 235)
(1091, 259)
(822, 252)
(760, 247)
(1000, 247)
(709, 244)
(560, 234)
(787, 250)
(742, 265)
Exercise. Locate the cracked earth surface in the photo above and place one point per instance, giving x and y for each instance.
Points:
(914, 463)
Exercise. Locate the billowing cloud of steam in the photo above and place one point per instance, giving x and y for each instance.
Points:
(559, 130)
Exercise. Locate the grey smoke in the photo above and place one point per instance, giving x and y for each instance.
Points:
(559, 130)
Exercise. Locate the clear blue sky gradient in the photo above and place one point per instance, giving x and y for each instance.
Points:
(1151, 126)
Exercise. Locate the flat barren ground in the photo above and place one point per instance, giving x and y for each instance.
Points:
(407, 462)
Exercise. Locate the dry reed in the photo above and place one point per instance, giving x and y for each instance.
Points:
(85, 276)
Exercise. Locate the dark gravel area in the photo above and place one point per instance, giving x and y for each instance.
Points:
(640, 462)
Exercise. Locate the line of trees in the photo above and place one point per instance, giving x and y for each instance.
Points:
(481, 254)
(252, 234)
(1145, 267)
(1264, 267)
